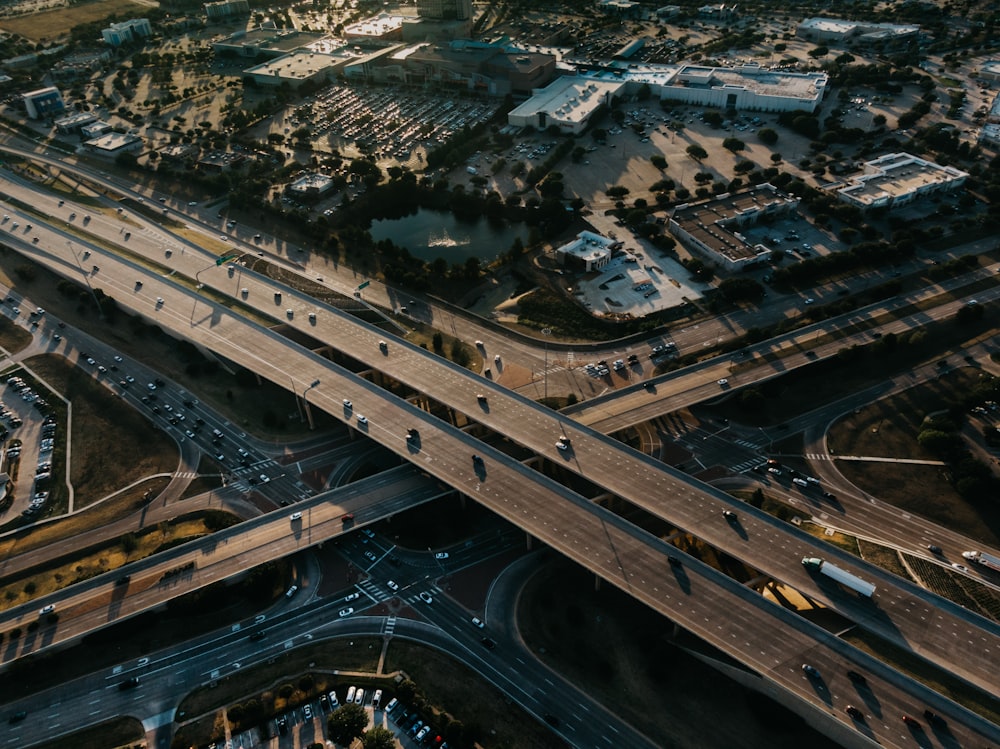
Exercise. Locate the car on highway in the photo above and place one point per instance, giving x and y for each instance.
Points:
(910, 721)
(348, 404)
(347, 517)
(560, 445)
(934, 549)
(810, 670)
(935, 719)
(426, 597)
(17, 717)
(47, 609)
(551, 719)
(393, 586)
(362, 419)
(810, 300)
(441, 555)
(291, 591)
(346, 612)
(854, 712)
(90, 361)
(258, 636)
(371, 555)
(295, 516)
(723, 382)
(477, 459)
(488, 643)
(857, 678)
(368, 532)
(959, 567)
(729, 515)
(477, 622)
(159, 301)
(352, 596)
(130, 683)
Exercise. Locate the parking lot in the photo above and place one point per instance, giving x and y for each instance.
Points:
(392, 124)
(28, 454)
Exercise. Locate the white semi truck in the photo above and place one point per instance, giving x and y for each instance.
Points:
(981, 557)
(843, 577)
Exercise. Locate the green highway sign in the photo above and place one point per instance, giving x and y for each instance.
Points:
(226, 256)
(363, 285)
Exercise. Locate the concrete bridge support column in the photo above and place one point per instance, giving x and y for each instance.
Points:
(597, 583)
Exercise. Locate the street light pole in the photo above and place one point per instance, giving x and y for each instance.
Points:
(86, 277)
(305, 403)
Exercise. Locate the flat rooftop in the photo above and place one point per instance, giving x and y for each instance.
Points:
(375, 26)
(899, 174)
(759, 80)
(569, 99)
(298, 65)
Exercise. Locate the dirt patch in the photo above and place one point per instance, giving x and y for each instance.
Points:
(113, 445)
(13, 338)
(54, 24)
(119, 732)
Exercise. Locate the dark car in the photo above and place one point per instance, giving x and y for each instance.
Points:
(258, 636)
(854, 712)
(488, 643)
(934, 549)
(935, 719)
(856, 677)
(910, 721)
(123, 580)
(17, 717)
(552, 720)
(130, 683)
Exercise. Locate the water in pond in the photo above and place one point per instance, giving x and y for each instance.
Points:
(429, 235)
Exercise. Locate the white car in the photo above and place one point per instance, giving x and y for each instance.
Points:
(359, 696)
(810, 300)
(723, 382)
(346, 612)
(118, 359)
(562, 445)
(348, 404)
(476, 621)
(295, 516)
(362, 419)
(393, 585)
(441, 555)
(426, 597)
(352, 596)
(47, 610)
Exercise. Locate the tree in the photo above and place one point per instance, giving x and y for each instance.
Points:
(696, 152)
(768, 136)
(438, 342)
(733, 144)
(820, 51)
(347, 723)
(379, 737)
(129, 543)
(658, 161)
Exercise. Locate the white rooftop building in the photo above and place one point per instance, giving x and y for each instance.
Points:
(588, 252)
(567, 103)
(839, 30)
(898, 178)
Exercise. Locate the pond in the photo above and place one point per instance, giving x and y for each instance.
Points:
(429, 234)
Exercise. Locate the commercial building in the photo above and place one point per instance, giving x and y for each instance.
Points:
(899, 178)
(124, 32)
(80, 64)
(221, 161)
(566, 103)
(310, 186)
(619, 7)
(464, 65)
(711, 229)
(383, 26)
(95, 130)
(744, 87)
(990, 70)
(588, 252)
(264, 42)
(72, 123)
(44, 102)
(226, 9)
(445, 10)
(111, 145)
(838, 31)
(294, 69)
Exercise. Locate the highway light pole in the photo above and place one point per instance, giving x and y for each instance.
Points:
(86, 277)
(305, 403)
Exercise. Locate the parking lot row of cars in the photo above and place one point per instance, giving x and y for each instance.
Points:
(47, 443)
(389, 121)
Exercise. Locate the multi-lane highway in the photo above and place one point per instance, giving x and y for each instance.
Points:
(501, 486)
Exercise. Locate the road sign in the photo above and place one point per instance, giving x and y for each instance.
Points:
(225, 257)
(364, 285)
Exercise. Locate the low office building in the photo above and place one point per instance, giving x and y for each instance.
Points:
(745, 87)
(265, 42)
(990, 71)
(566, 103)
(712, 229)
(310, 186)
(73, 123)
(132, 30)
(221, 161)
(94, 130)
(588, 252)
(111, 145)
(899, 178)
(44, 102)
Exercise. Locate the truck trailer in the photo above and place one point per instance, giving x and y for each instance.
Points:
(843, 577)
(981, 557)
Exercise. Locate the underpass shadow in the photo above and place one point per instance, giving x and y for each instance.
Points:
(919, 735)
(683, 580)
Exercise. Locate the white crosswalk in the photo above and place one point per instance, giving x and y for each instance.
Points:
(185, 475)
(373, 591)
(750, 445)
(818, 456)
(390, 626)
